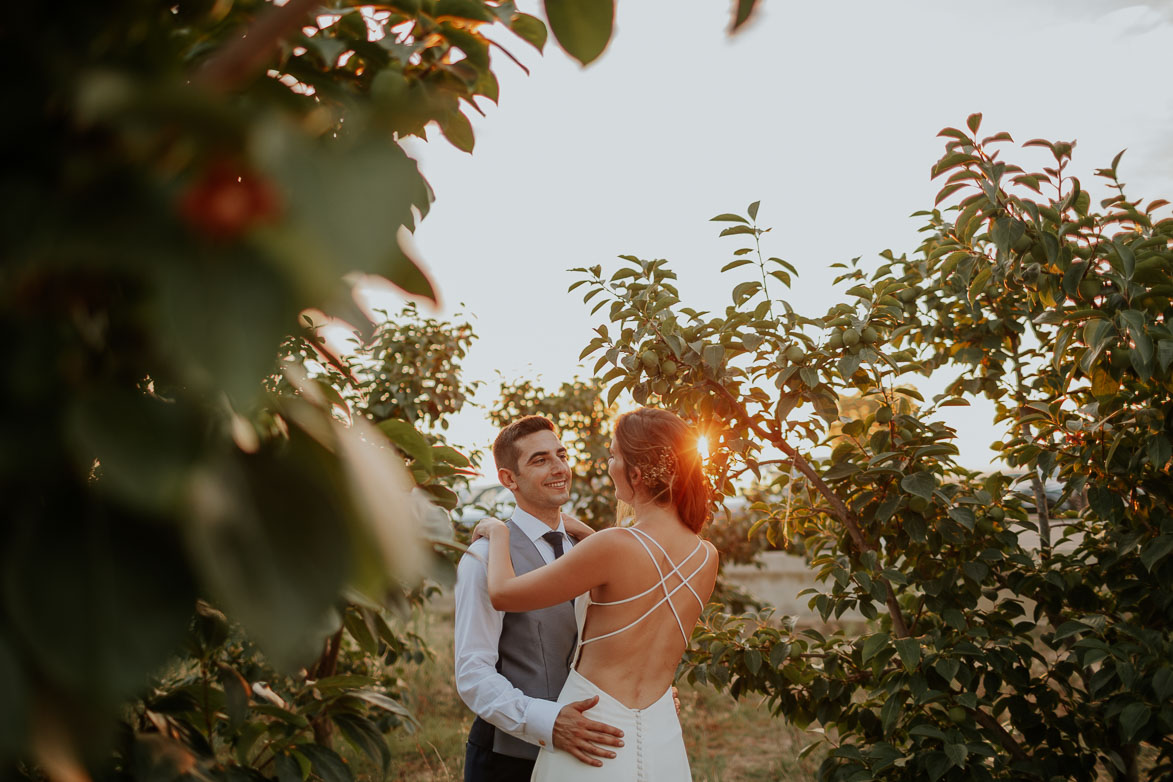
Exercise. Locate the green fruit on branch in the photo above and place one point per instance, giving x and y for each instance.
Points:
(869, 336)
(795, 354)
(884, 415)
(835, 341)
(668, 368)
(850, 338)
(918, 504)
(650, 360)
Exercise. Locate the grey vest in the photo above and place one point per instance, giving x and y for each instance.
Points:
(534, 651)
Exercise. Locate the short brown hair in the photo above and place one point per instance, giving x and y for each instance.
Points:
(505, 453)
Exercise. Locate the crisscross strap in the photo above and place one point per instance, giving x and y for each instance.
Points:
(640, 535)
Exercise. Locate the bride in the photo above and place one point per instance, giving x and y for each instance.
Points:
(644, 587)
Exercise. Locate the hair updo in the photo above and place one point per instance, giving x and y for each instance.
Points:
(664, 449)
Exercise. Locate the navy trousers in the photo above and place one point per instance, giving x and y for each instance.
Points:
(482, 764)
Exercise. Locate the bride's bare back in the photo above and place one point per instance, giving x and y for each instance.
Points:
(637, 664)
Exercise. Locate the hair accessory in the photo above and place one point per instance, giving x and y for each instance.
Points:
(662, 469)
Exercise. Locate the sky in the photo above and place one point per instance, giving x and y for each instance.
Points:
(825, 112)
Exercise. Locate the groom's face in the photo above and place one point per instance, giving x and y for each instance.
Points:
(542, 477)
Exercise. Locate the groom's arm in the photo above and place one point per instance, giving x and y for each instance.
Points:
(482, 688)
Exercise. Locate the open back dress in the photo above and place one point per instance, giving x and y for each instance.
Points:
(653, 749)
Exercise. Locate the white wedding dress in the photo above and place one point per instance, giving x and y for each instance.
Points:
(653, 749)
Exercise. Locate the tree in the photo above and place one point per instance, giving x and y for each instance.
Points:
(983, 659)
(192, 176)
(186, 179)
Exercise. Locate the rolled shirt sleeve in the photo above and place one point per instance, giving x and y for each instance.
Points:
(477, 635)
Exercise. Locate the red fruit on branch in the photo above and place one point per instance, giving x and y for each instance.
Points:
(226, 201)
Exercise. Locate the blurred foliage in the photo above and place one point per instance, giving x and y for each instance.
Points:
(986, 656)
(584, 423)
(405, 377)
(189, 178)
(192, 176)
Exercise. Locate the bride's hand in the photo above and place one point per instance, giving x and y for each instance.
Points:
(486, 526)
(575, 528)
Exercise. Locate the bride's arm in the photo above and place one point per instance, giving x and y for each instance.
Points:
(578, 571)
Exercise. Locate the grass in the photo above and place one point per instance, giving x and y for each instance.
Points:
(727, 741)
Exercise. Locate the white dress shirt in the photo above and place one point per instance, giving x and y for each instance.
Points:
(478, 633)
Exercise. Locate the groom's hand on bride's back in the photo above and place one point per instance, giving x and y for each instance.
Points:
(581, 736)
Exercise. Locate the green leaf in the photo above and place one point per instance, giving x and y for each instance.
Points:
(979, 283)
(1163, 684)
(359, 631)
(408, 440)
(1155, 550)
(458, 130)
(975, 571)
(1127, 259)
(463, 9)
(734, 230)
(712, 355)
(728, 218)
(287, 768)
(872, 645)
(1159, 451)
(363, 735)
(849, 364)
(1132, 719)
(236, 693)
(384, 702)
(444, 497)
(327, 764)
(1006, 232)
(291, 718)
(1103, 383)
(753, 208)
(889, 714)
(920, 484)
(1165, 354)
(753, 661)
(909, 651)
(529, 29)
(449, 455)
(956, 754)
(963, 516)
(582, 27)
(735, 264)
(344, 205)
(1069, 629)
(613, 393)
(744, 11)
(744, 290)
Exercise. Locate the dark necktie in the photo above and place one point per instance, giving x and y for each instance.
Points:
(555, 541)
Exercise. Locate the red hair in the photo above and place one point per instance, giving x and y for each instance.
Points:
(664, 449)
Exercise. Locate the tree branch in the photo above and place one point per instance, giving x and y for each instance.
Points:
(838, 507)
(243, 57)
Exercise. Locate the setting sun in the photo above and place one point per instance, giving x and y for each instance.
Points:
(702, 447)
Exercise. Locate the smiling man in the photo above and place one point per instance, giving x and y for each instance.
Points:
(510, 668)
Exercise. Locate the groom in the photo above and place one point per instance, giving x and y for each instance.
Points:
(511, 667)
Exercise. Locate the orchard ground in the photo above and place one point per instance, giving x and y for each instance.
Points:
(727, 741)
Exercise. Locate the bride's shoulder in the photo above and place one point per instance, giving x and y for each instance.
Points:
(610, 537)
